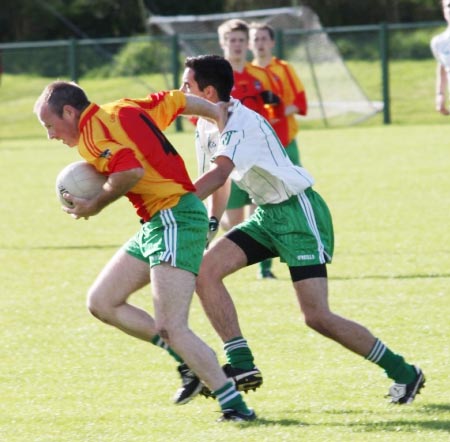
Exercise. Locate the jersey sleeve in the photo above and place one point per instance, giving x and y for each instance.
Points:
(230, 142)
(163, 107)
(298, 88)
(202, 162)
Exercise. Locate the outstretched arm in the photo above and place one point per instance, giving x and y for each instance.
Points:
(214, 178)
(117, 185)
(441, 88)
(218, 112)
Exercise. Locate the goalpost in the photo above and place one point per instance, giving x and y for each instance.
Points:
(334, 95)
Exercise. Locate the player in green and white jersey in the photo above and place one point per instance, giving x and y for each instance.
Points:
(291, 221)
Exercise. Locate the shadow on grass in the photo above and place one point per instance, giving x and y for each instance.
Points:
(67, 247)
(415, 276)
(364, 424)
(79, 247)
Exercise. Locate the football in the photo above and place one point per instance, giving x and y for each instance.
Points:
(80, 179)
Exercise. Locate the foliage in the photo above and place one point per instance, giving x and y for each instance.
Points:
(31, 20)
(350, 12)
(403, 44)
(176, 7)
(141, 58)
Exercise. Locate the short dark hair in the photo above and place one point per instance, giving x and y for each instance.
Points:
(263, 27)
(212, 70)
(59, 93)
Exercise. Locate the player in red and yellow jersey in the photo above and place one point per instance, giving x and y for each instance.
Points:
(125, 134)
(124, 140)
(262, 42)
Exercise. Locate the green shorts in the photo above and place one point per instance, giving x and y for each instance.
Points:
(176, 235)
(238, 198)
(299, 230)
(293, 152)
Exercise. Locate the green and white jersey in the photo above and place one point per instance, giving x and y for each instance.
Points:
(262, 167)
(206, 144)
(440, 46)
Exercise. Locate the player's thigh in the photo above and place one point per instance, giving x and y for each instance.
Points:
(312, 296)
(172, 290)
(222, 259)
(121, 276)
(232, 217)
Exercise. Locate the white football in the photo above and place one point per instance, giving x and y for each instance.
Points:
(80, 179)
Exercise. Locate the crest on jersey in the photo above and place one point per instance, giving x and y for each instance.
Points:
(106, 154)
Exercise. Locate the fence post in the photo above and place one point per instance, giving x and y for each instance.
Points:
(73, 71)
(384, 55)
(176, 73)
(279, 43)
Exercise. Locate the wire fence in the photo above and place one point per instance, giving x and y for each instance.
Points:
(156, 62)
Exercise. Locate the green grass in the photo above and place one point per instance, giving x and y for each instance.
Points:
(65, 377)
(411, 85)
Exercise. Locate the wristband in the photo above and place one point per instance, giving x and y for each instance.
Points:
(213, 224)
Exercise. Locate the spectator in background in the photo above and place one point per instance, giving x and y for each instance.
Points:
(440, 46)
(262, 42)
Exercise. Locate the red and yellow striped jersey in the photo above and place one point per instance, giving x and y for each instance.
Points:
(293, 91)
(127, 134)
(248, 86)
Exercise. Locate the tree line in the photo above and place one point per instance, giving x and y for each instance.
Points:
(31, 20)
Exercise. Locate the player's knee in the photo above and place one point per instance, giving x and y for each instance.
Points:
(171, 334)
(206, 277)
(96, 307)
(318, 322)
(206, 274)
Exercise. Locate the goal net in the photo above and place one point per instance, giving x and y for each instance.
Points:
(334, 95)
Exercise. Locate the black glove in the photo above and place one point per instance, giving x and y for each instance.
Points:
(269, 97)
(213, 228)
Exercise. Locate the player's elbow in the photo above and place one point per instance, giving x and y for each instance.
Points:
(221, 177)
(138, 173)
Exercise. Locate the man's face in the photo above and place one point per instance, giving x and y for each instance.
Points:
(189, 85)
(63, 128)
(260, 43)
(235, 46)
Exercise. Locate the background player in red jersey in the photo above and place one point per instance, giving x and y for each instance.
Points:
(262, 42)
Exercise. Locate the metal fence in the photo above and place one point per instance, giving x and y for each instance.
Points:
(162, 56)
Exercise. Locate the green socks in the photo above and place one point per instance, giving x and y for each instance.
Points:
(265, 265)
(228, 397)
(238, 353)
(394, 365)
(156, 340)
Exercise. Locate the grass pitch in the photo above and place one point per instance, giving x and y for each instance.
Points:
(65, 377)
